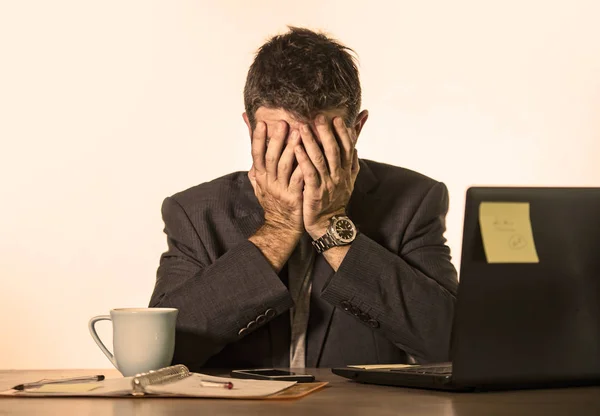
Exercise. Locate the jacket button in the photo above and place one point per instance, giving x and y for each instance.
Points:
(354, 310)
(251, 325)
(270, 313)
(242, 331)
(345, 305)
(261, 319)
(373, 323)
(365, 317)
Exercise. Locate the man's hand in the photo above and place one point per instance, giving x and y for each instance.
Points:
(328, 178)
(278, 188)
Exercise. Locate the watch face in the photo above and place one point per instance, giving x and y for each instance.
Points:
(344, 230)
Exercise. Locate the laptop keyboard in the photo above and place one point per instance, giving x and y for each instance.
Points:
(433, 369)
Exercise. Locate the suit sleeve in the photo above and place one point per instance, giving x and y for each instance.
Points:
(216, 298)
(409, 296)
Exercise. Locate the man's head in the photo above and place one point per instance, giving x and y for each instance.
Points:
(300, 74)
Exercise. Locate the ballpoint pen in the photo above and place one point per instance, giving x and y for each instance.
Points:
(59, 381)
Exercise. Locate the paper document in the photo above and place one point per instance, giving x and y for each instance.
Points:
(67, 388)
(380, 366)
(506, 232)
(191, 386)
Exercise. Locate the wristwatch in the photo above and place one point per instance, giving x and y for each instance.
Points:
(341, 232)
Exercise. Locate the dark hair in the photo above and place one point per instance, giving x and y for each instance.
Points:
(304, 73)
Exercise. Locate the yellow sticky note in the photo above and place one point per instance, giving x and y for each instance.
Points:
(66, 388)
(506, 232)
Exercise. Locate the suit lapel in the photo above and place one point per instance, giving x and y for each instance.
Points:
(321, 312)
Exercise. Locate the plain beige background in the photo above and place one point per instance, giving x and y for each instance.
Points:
(108, 107)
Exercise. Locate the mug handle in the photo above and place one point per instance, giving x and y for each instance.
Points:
(91, 326)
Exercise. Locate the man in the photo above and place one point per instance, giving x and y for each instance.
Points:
(313, 257)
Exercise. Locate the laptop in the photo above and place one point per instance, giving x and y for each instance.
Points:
(520, 325)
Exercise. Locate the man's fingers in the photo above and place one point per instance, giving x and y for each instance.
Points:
(330, 145)
(252, 177)
(346, 142)
(309, 172)
(276, 142)
(259, 145)
(296, 181)
(256, 186)
(314, 153)
(286, 162)
(355, 165)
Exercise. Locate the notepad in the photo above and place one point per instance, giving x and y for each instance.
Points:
(67, 388)
(507, 233)
(175, 381)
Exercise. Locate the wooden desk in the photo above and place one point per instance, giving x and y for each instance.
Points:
(341, 397)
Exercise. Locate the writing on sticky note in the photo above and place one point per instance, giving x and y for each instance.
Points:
(66, 388)
(506, 232)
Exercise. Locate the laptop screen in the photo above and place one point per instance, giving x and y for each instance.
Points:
(522, 320)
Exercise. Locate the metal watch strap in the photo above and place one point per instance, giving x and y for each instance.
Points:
(323, 243)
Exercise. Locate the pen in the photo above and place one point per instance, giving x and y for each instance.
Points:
(209, 383)
(64, 380)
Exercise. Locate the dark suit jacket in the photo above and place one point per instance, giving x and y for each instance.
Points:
(393, 294)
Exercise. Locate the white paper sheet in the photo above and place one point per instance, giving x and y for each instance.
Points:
(190, 386)
(380, 366)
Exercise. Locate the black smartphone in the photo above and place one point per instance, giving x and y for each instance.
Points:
(272, 374)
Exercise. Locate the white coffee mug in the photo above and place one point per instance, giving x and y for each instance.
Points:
(143, 338)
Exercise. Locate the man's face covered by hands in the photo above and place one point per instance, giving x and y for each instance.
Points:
(303, 170)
